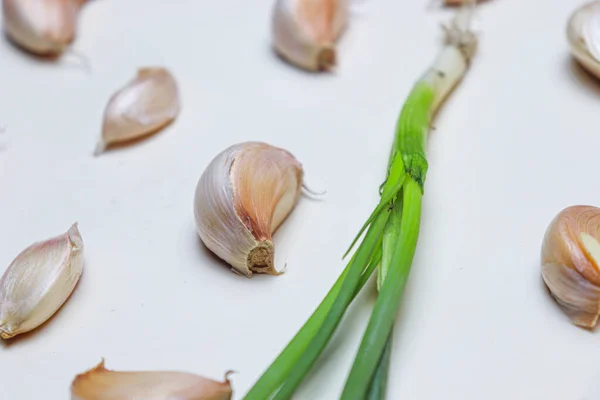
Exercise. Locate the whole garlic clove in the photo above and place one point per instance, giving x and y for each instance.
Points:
(42, 27)
(147, 104)
(583, 33)
(570, 263)
(102, 384)
(39, 281)
(305, 31)
(241, 199)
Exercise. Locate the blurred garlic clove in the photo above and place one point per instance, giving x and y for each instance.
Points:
(39, 281)
(242, 197)
(305, 31)
(42, 27)
(147, 104)
(460, 2)
(570, 263)
(102, 384)
(583, 33)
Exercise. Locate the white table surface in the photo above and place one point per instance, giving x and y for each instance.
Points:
(516, 143)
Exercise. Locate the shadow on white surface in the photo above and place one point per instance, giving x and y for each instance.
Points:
(585, 80)
(71, 58)
(215, 261)
(132, 143)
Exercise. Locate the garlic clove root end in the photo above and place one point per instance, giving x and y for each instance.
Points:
(261, 259)
(326, 60)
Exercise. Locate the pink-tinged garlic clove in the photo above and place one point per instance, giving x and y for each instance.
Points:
(100, 383)
(42, 27)
(583, 34)
(39, 281)
(305, 31)
(147, 104)
(242, 197)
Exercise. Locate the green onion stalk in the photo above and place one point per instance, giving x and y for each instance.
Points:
(388, 245)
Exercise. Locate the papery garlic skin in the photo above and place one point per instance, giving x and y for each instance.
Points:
(583, 33)
(42, 27)
(39, 281)
(570, 263)
(144, 106)
(102, 384)
(241, 199)
(305, 31)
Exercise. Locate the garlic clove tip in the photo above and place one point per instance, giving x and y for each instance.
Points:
(75, 236)
(100, 148)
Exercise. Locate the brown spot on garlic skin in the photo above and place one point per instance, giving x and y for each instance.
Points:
(569, 266)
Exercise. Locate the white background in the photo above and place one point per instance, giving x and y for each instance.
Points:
(517, 142)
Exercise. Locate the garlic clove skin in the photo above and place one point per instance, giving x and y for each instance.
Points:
(570, 263)
(44, 28)
(102, 384)
(147, 104)
(305, 31)
(242, 197)
(583, 33)
(39, 280)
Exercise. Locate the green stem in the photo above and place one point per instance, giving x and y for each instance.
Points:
(378, 388)
(390, 240)
(345, 296)
(388, 301)
(274, 376)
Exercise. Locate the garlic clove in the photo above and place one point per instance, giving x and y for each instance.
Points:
(583, 33)
(45, 27)
(305, 31)
(570, 263)
(102, 384)
(460, 2)
(242, 197)
(144, 106)
(39, 281)
(577, 297)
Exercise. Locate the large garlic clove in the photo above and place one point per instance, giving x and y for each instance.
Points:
(305, 31)
(570, 263)
(102, 384)
(39, 281)
(42, 27)
(241, 199)
(583, 33)
(144, 106)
